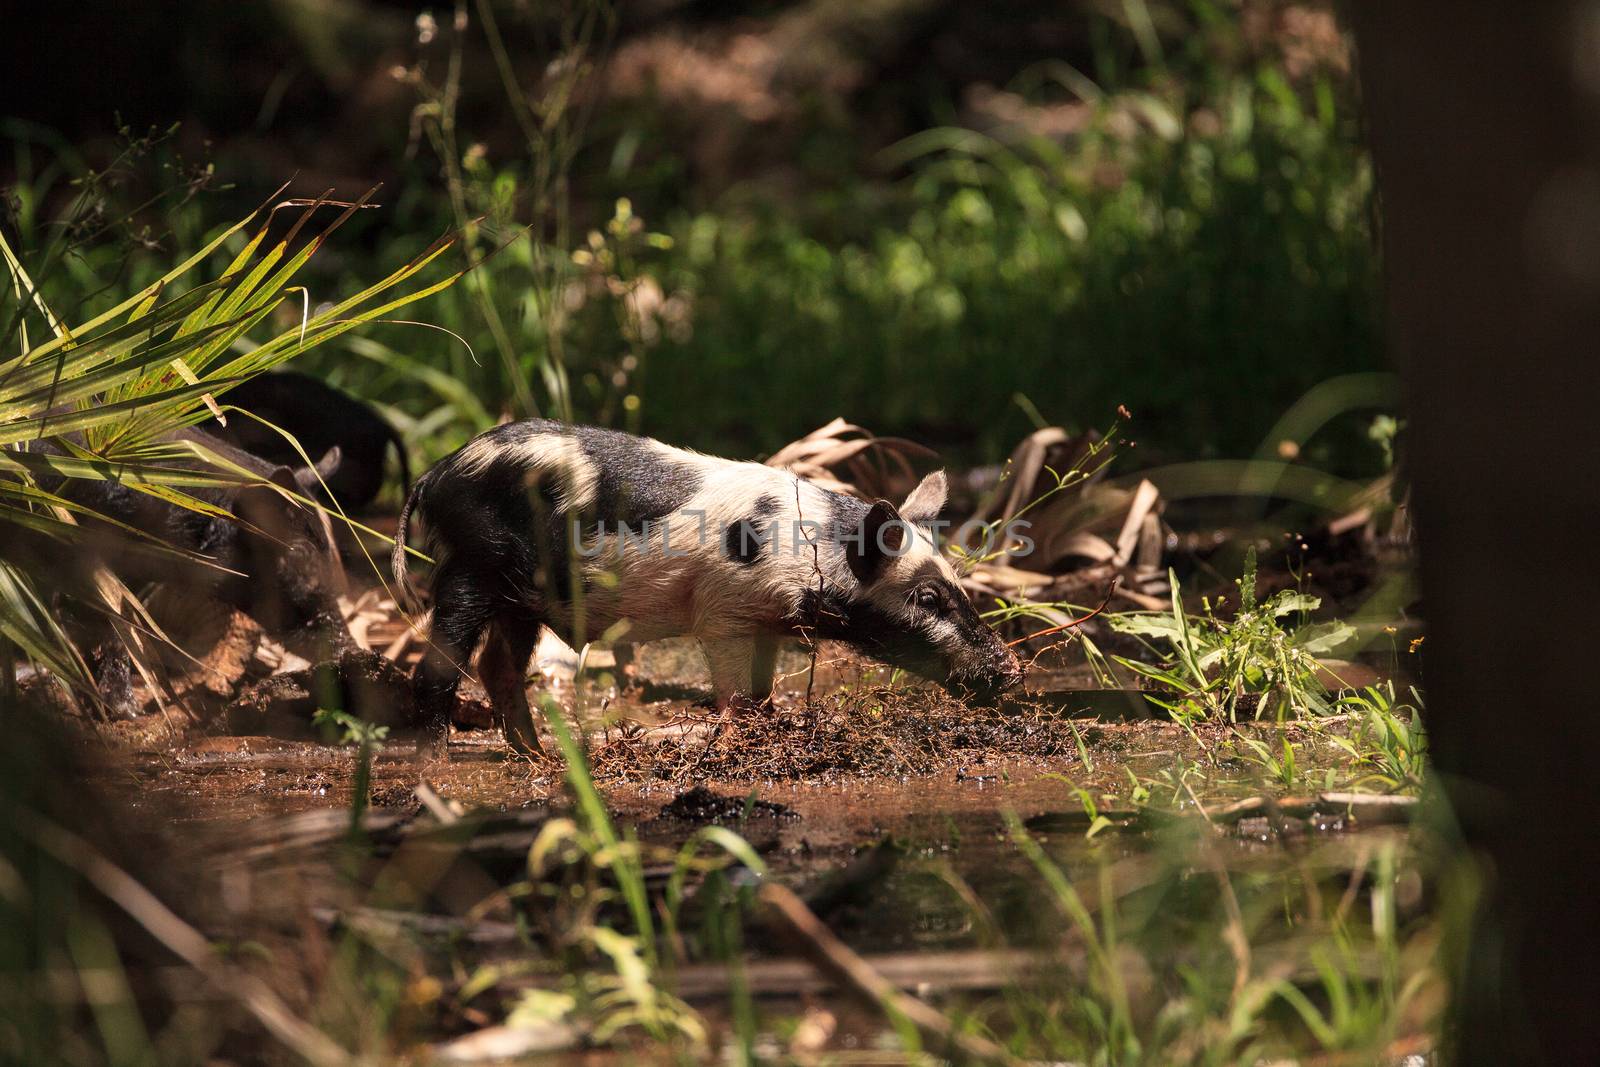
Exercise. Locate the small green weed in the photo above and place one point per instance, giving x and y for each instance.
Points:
(1390, 736)
(1257, 665)
(343, 728)
(347, 729)
(1281, 765)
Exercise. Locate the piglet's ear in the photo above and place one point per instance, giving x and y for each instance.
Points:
(882, 535)
(309, 480)
(330, 463)
(264, 510)
(926, 500)
(284, 479)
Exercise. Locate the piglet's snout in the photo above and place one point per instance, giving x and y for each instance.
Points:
(1002, 673)
(1009, 671)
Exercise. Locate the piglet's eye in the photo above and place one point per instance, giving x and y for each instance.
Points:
(927, 600)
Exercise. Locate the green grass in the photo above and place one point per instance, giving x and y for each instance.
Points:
(1390, 739)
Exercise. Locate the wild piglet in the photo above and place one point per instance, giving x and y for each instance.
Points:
(598, 533)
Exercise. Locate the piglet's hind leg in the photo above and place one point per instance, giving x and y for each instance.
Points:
(461, 611)
(503, 668)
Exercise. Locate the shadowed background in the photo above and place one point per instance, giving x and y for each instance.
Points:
(723, 224)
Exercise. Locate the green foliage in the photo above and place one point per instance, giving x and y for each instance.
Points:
(1231, 252)
(1194, 966)
(1255, 664)
(1389, 737)
(1200, 251)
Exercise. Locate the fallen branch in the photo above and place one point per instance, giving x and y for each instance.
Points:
(1364, 807)
(183, 940)
(1369, 809)
(840, 962)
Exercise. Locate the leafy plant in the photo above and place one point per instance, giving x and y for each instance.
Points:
(1390, 736)
(1257, 664)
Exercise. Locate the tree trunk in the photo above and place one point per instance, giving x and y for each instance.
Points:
(1485, 130)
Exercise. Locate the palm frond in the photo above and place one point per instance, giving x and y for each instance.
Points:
(101, 398)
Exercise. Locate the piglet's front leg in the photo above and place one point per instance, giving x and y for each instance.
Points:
(730, 660)
(763, 668)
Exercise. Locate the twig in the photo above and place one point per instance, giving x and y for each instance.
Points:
(716, 736)
(437, 806)
(816, 565)
(840, 962)
(1111, 591)
(784, 977)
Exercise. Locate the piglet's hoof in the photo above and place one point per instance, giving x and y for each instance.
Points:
(360, 682)
(525, 744)
(741, 706)
(522, 735)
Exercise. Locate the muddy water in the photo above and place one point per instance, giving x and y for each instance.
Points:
(240, 778)
(900, 847)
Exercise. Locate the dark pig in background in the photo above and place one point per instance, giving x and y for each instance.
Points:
(321, 418)
(271, 557)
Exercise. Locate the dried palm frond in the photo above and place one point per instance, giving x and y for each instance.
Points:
(1038, 464)
(1075, 534)
(846, 458)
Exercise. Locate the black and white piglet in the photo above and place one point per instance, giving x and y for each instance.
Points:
(597, 534)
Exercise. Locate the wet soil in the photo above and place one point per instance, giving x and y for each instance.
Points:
(889, 808)
(862, 759)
